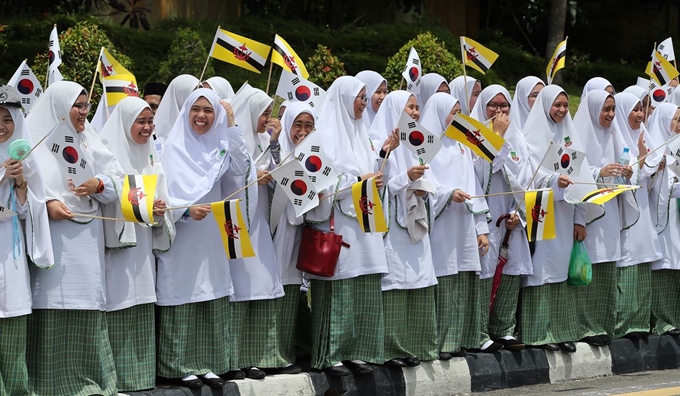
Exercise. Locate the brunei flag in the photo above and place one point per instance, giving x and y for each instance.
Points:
(232, 229)
(284, 56)
(136, 201)
(368, 206)
(240, 51)
(601, 196)
(109, 66)
(540, 215)
(472, 133)
(661, 70)
(476, 55)
(557, 61)
(119, 87)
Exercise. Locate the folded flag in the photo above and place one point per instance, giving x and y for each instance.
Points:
(557, 61)
(315, 162)
(422, 143)
(62, 142)
(109, 66)
(27, 85)
(368, 206)
(472, 133)
(119, 87)
(413, 71)
(477, 56)
(666, 49)
(601, 196)
(540, 215)
(296, 89)
(297, 186)
(661, 70)
(137, 198)
(564, 160)
(284, 56)
(240, 51)
(232, 228)
(55, 58)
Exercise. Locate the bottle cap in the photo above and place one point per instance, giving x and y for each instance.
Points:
(625, 149)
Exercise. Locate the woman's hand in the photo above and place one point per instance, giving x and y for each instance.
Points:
(579, 232)
(627, 172)
(563, 181)
(611, 170)
(265, 177)
(392, 141)
(15, 170)
(501, 124)
(159, 208)
(378, 178)
(482, 244)
(460, 196)
(88, 188)
(512, 221)
(416, 172)
(274, 126)
(230, 113)
(642, 146)
(58, 211)
(198, 213)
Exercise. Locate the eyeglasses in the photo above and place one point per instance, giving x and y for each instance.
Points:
(495, 106)
(82, 107)
(363, 98)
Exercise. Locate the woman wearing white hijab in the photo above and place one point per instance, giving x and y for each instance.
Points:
(597, 83)
(193, 280)
(510, 171)
(548, 316)
(603, 144)
(663, 125)
(27, 233)
(456, 250)
(130, 261)
(257, 280)
(643, 95)
(221, 86)
(171, 105)
(430, 84)
(69, 301)
(639, 243)
(466, 90)
(355, 287)
(408, 287)
(376, 90)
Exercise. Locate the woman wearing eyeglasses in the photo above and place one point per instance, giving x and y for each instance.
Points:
(69, 351)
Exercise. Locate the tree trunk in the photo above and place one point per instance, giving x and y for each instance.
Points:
(556, 22)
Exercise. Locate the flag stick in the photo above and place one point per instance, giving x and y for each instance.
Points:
(337, 192)
(269, 79)
(97, 217)
(94, 76)
(490, 119)
(205, 67)
(605, 184)
(534, 175)
(401, 83)
(47, 77)
(387, 156)
(649, 87)
(501, 193)
(649, 153)
(34, 147)
(462, 55)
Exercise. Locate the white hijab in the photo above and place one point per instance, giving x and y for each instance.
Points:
(55, 105)
(193, 163)
(221, 86)
(479, 110)
(429, 84)
(135, 159)
(249, 104)
(638, 91)
(625, 103)
(37, 228)
(675, 96)
(519, 111)
(595, 83)
(597, 140)
(459, 88)
(372, 81)
(171, 104)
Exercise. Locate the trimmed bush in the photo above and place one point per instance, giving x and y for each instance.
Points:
(324, 67)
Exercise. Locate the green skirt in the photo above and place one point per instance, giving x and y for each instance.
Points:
(410, 324)
(193, 338)
(457, 301)
(501, 321)
(13, 371)
(287, 316)
(347, 321)
(254, 333)
(132, 333)
(547, 314)
(69, 353)
(633, 299)
(597, 302)
(665, 300)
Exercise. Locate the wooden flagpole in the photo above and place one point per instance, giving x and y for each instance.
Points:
(649, 87)
(269, 79)
(462, 55)
(205, 66)
(94, 75)
(535, 173)
(649, 153)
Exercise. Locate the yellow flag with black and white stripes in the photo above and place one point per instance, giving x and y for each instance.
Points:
(557, 61)
(137, 197)
(232, 228)
(109, 66)
(119, 87)
(240, 51)
(476, 55)
(368, 206)
(602, 195)
(540, 215)
(284, 56)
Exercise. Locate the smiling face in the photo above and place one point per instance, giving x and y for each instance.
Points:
(559, 108)
(201, 116)
(412, 108)
(607, 113)
(379, 96)
(142, 128)
(360, 103)
(635, 116)
(498, 104)
(6, 125)
(263, 120)
(302, 126)
(78, 113)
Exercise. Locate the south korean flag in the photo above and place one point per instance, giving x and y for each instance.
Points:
(296, 89)
(422, 143)
(297, 186)
(413, 72)
(315, 162)
(564, 160)
(69, 154)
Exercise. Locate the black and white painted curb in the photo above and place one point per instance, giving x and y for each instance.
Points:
(474, 373)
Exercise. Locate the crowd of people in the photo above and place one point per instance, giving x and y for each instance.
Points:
(89, 305)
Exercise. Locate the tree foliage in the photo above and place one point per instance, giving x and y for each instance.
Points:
(187, 55)
(324, 67)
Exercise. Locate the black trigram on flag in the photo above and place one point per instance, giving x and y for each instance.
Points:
(415, 61)
(403, 136)
(412, 125)
(300, 157)
(83, 163)
(26, 101)
(72, 170)
(421, 151)
(38, 91)
(311, 194)
(326, 171)
(55, 148)
(311, 104)
(299, 173)
(25, 72)
(284, 181)
(315, 149)
(297, 202)
(295, 81)
(68, 139)
(316, 91)
(313, 179)
(430, 139)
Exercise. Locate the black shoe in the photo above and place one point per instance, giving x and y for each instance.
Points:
(233, 375)
(551, 346)
(337, 371)
(445, 356)
(358, 368)
(492, 347)
(511, 344)
(461, 353)
(395, 363)
(213, 382)
(644, 334)
(567, 346)
(673, 332)
(632, 336)
(254, 373)
(593, 340)
(606, 340)
(412, 362)
(291, 369)
(191, 384)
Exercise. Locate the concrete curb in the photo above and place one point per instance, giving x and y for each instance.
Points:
(475, 373)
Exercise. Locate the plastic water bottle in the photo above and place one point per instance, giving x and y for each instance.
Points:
(624, 160)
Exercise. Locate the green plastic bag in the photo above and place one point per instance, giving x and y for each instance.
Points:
(580, 267)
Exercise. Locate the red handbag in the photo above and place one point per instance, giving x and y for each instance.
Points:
(319, 251)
